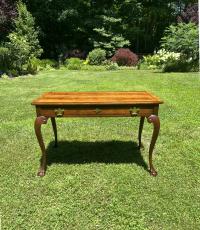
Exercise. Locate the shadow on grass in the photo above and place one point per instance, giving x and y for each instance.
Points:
(109, 152)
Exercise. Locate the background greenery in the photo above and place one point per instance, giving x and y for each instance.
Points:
(98, 32)
(86, 24)
(97, 179)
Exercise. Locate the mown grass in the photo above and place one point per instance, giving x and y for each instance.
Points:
(97, 179)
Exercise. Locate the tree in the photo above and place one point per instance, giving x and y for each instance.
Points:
(86, 24)
(64, 25)
(23, 42)
(107, 37)
(144, 21)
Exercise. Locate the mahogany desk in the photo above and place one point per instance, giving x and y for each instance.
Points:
(97, 104)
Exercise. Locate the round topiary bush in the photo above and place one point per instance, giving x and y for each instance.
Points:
(124, 57)
(96, 57)
(73, 63)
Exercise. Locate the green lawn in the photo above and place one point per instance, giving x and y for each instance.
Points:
(97, 179)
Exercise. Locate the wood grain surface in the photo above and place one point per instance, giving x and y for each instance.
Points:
(97, 98)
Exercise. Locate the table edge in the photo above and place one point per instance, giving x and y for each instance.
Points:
(157, 99)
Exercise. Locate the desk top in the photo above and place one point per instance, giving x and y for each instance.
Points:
(94, 98)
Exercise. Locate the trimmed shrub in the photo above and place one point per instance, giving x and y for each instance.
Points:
(96, 57)
(73, 63)
(124, 57)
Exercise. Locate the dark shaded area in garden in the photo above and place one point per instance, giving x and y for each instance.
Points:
(80, 152)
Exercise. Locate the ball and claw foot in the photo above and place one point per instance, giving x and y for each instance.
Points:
(153, 172)
(41, 173)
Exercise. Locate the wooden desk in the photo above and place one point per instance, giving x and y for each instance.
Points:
(97, 104)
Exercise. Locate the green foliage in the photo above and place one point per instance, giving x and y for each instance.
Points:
(159, 59)
(47, 63)
(73, 63)
(33, 66)
(107, 38)
(14, 72)
(4, 58)
(168, 62)
(182, 38)
(179, 66)
(112, 66)
(25, 27)
(85, 24)
(150, 62)
(4, 76)
(96, 57)
(19, 50)
(23, 42)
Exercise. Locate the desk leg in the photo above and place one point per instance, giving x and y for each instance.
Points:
(38, 122)
(156, 127)
(140, 131)
(53, 122)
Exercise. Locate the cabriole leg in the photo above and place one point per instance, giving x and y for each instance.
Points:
(38, 122)
(156, 127)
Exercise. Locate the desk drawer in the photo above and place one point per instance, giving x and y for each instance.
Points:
(96, 111)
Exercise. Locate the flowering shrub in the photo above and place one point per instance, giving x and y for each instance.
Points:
(160, 59)
(124, 57)
(151, 61)
(166, 56)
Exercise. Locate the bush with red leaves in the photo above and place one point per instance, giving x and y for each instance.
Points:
(124, 57)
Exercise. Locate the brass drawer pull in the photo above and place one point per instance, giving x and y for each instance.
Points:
(134, 111)
(98, 111)
(59, 112)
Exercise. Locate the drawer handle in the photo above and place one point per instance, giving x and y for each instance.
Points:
(134, 111)
(59, 112)
(98, 111)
